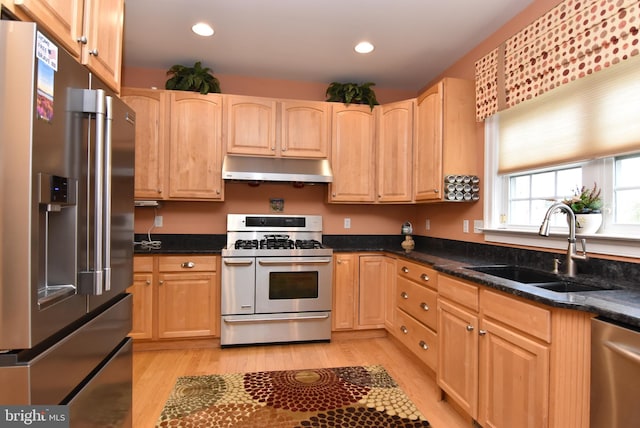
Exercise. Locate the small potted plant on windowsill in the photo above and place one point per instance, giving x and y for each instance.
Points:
(586, 204)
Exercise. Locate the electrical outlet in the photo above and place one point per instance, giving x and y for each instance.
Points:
(427, 224)
(157, 222)
(477, 225)
(465, 226)
(347, 223)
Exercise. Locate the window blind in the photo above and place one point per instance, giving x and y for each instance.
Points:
(592, 117)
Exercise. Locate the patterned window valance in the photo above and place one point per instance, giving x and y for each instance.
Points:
(574, 39)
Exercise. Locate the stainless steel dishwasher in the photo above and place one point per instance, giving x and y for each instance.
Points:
(615, 375)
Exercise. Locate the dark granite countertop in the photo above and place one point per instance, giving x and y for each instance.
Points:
(621, 304)
(451, 257)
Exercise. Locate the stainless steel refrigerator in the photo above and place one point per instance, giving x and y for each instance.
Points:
(66, 233)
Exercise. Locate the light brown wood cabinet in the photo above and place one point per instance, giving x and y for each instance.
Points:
(195, 146)
(445, 137)
(152, 129)
(509, 362)
(178, 144)
(282, 128)
(395, 152)
(304, 129)
(359, 290)
(91, 30)
(142, 293)
(250, 125)
(415, 301)
(353, 158)
(179, 298)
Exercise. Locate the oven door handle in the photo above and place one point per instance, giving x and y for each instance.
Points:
(238, 262)
(294, 262)
(285, 318)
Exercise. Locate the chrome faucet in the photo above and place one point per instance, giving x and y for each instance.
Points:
(572, 253)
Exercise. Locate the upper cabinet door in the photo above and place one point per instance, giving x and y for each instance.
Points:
(250, 125)
(195, 159)
(62, 18)
(353, 153)
(91, 30)
(395, 152)
(304, 129)
(151, 130)
(102, 52)
(428, 148)
(445, 137)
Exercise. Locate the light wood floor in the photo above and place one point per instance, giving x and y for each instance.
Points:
(155, 372)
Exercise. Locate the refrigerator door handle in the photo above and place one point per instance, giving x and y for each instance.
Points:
(106, 247)
(91, 281)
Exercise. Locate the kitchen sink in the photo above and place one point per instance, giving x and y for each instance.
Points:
(536, 278)
(517, 273)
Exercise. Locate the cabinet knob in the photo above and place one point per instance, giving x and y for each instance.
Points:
(82, 39)
(423, 345)
(339, 261)
(404, 295)
(424, 306)
(436, 191)
(424, 277)
(93, 52)
(284, 149)
(469, 327)
(159, 190)
(188, 265)
(405, 269)
(161, 282)
(404, 329)
(482, 332)
(148, 282)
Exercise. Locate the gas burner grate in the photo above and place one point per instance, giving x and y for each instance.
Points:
(246, 244)
(308, 244)
(276, 242)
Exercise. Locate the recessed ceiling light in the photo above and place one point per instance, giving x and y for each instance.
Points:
(364, 47)
(202, 29)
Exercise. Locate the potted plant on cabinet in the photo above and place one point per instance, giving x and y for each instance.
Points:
(352, 93)
(586, 204)
(196, 79)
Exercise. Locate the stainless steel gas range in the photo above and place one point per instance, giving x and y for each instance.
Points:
(276, 280)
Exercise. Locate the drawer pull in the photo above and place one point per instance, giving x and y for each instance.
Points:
(424, 277)
(469, 327)
(405, 269)
(423, 345)
(404, 295)
(188, 265)
(404, 329)
(482, 332)
(424, 306)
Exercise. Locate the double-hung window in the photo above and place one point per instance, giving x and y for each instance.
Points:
(580, 134)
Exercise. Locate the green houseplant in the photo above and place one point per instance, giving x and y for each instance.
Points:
(349, 93)
(585, 200)
(586, 203)
(196, 79)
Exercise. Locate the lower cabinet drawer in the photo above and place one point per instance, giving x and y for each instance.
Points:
(420, 340)
(187, 263)
(418, 301)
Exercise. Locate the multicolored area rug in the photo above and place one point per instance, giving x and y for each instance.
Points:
(336, 397)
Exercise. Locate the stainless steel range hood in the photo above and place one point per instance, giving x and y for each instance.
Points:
(248, 168)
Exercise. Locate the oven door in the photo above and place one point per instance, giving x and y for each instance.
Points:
(293, 284)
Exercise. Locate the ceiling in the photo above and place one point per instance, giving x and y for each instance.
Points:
(313, 40)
